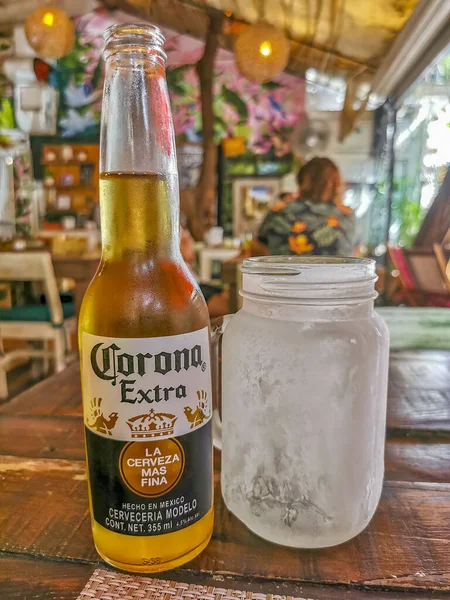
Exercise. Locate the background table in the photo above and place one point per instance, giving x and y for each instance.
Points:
(207, 256)
(45, 539)
(79, 268)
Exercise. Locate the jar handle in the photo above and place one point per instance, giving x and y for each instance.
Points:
(217, 328)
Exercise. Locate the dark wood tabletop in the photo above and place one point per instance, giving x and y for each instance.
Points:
(45, 538)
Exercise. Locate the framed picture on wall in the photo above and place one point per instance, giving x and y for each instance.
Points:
(67, 179)
(252, 198)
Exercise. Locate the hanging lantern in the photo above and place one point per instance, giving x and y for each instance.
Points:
(50, 32)
(261, 52)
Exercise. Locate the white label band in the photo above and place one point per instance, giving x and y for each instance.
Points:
(137, 389)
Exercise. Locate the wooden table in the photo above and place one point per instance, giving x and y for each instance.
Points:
(45, 539)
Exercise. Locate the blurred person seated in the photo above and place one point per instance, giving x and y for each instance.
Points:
(284, 199)
(315, 223)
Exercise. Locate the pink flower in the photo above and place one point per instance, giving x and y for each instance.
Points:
(179, 58)
(231, 117)
(262, 146)
(191, 78)
(179, 119)
(182, 50)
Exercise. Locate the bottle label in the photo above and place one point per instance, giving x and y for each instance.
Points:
(147, 414)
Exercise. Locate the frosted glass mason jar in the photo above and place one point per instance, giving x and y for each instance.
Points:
(304, 389)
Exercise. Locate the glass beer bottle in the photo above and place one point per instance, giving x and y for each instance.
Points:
(144, 336)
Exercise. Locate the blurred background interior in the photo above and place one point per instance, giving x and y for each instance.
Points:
(258, 89)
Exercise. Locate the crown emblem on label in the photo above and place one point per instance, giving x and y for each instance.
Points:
(151, 425)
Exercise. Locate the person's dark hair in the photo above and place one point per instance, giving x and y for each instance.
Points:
(320, 180)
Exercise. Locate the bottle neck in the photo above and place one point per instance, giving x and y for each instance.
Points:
(139, 197)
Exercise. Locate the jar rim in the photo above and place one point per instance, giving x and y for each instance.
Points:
(285, 265)
(324, 277)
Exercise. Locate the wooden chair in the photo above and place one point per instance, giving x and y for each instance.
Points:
(427, 273)
(420, 276)
(53, 321)
(443, 263)
(408, 293)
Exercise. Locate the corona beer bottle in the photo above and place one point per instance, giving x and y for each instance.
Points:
(143, 331)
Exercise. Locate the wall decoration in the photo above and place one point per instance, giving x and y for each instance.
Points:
(263, 114)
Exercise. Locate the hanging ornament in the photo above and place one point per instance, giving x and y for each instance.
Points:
(50, 32)
(261, 52)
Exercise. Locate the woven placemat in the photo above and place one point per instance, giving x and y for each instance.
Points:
(107, 585)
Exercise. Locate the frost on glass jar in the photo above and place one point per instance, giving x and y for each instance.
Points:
(304, 391)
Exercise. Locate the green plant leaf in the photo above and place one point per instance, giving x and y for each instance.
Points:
(78, 77)
(242, 131)
(181, 138)
(409, 215)
(96, 75)
(233, 98)
(219, 121)
(175, 80)
(177, 88)
(270, 85)
(179, 70)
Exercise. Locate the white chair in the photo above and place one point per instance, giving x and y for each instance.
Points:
(52, 321)
(209, 255)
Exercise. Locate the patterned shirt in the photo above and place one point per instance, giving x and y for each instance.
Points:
(308, 228)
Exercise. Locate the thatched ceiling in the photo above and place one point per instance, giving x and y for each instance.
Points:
(344, 37)
(338, 36)
(358, 29)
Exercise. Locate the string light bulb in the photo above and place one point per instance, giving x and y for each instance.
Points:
(265, 49)
(50, 32)
(261, 52)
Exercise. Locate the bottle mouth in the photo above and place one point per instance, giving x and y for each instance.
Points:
(325, 278)
(139, 38)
